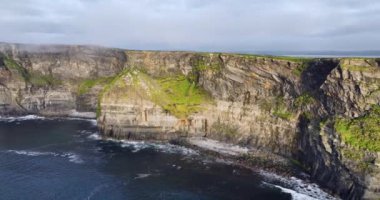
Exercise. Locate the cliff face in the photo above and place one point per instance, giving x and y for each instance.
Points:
(44, 79)
(323, 112)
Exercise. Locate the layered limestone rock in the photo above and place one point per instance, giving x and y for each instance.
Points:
(342, 146)
(67, 62)
(250, 98)
(321, 112)
(44, 79)
(352, 87)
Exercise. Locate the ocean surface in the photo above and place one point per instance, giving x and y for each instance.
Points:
(67, 159)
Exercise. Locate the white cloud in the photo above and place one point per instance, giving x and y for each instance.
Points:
(215, 25)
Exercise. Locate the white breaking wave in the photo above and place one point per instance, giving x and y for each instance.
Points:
(92, 121)
(20, 118)
(137, 146)
(299, 188)
(95, 136)
(218, 146)
(295, 195)
(36, 117)
(32, 153)
(72, 157)
(141, 176)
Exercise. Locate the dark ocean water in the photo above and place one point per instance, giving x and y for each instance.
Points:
(65, 159)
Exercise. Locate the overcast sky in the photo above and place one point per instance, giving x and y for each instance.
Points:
(206, 25)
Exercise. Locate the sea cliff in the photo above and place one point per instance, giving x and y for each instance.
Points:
(323, 114)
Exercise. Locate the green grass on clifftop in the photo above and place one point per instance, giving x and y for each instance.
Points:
(284, 58)
(293, 59)
(362, 132)
(359, 64)
(358, 68)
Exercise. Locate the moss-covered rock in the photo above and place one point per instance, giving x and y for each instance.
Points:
(359, 64)
(87, 84)
(13, 66)
(277, 107)
(175, 94)
(304, 100)
(34, 78)
(363, 132)
(302, 67)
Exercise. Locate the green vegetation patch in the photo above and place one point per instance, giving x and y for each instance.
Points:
(293, 59)
(361, 65)
(280, 109)
(362, 132)
(308, 115)
(304, 100)
(283, 58)
(358, 68)
(301, 68)
(34, 78)
(202, 65)
(175, 94)
(114, 85)
(99, 108)
(179, 96)
(283, 114)
(277, 107)
(41, 80)
(86, 85)
(362, 163)
(353, 154)
(13, 65)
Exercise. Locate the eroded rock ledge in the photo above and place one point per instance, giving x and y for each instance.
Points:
(322, 113)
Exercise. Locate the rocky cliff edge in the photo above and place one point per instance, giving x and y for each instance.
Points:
(323, 114)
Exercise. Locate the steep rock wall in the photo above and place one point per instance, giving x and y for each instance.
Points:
(44, 79)
(304, 109)
(239, 87)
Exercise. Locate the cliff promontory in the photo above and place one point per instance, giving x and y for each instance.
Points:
(323, 114)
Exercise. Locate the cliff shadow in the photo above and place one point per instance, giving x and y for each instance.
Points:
(316, 73)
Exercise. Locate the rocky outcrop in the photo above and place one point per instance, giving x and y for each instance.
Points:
(239, 87)
(351, 98)
(44, 79)
(352, 87)
(310, 110)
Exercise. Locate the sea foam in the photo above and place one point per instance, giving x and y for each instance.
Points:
(20, 118)
(299, 189)
(137, 146)
(72, 157)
